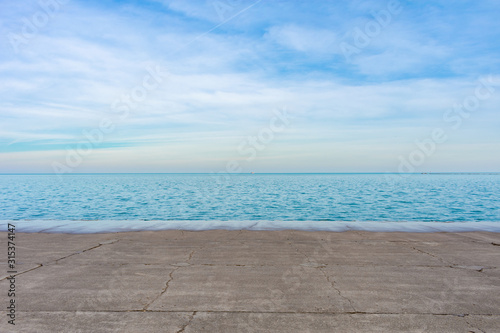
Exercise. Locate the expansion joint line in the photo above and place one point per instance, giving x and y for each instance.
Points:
(293, 313)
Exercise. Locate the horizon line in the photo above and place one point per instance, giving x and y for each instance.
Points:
(246, 173)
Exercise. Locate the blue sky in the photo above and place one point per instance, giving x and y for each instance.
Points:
(223, 70)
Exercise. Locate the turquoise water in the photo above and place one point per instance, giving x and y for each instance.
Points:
(251, 197)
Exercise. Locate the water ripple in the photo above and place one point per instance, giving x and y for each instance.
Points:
(306, 197)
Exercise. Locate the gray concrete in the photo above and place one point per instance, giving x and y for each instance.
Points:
(255, 281)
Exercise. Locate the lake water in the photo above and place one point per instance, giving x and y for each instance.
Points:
(40, 201)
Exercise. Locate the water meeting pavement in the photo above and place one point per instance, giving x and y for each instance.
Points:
(253, 281)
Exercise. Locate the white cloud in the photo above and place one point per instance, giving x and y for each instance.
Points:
(303, 39)
(224, 85)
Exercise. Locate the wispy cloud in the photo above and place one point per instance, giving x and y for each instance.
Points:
(224, 81)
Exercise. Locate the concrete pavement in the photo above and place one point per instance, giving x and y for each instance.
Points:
(254, 281)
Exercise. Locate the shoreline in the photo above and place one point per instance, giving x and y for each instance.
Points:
(112, 226)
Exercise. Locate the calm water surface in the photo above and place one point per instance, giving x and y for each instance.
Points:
(312, 197)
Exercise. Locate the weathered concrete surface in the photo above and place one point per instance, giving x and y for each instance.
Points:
(328, 323)
(251, 288)
(255, 281)
(69, 321)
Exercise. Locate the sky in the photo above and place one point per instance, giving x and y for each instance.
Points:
(235, 86)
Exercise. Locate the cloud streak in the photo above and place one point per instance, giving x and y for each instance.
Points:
(223, 83)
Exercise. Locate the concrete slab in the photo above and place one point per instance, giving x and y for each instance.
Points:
(486, 237)
(327, 323)
(251, 288)
(251, 235)
(92, 322)
(20, 268)
(136, 251)
(463, 253)
(404, 236)
(493, 272)
(90, 287)
(43, 248)
(249, 252)
(256, 281)
(441, 237)
(437, 290)
(364, 252)
(490, 324)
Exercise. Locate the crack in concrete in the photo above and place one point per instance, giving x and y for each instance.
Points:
(171, 278)
(57, 260)
(430, 254)
(472, 326)
(83, 251)
(167, 284)
(479, 269)
(164, 290)
(26, 271)
(448, 264)
(338, 290)
(189, 322)
(79, 252)
(300, 252)
(332, 283)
